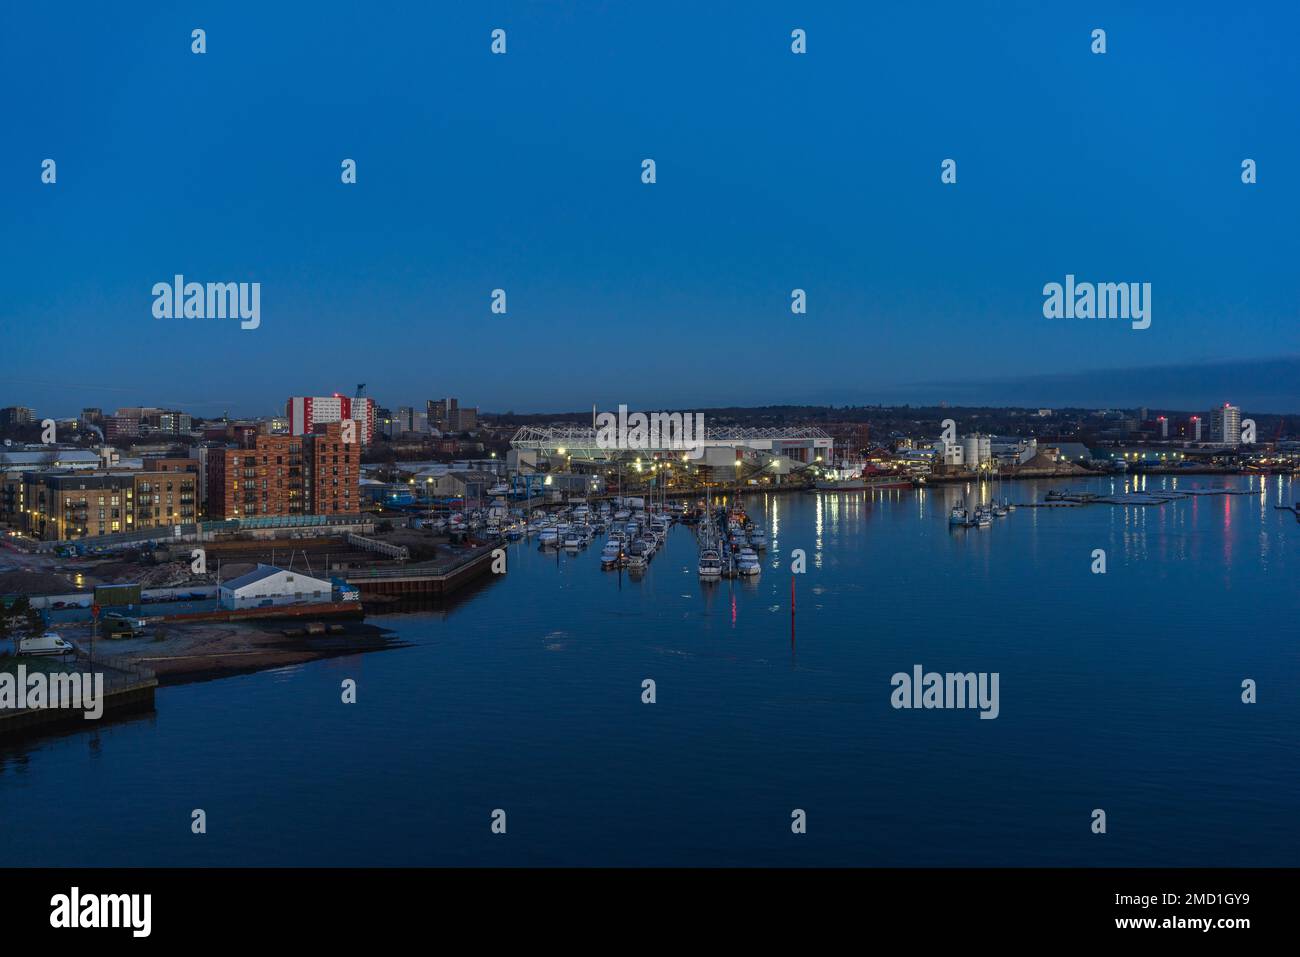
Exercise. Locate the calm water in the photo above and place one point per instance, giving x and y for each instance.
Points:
(1118, 691)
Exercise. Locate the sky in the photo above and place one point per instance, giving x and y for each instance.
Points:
(523, 172)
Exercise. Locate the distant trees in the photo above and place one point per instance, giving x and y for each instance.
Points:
(20, 620)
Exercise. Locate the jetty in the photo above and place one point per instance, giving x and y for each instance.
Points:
(435, 578)
(1074, 499)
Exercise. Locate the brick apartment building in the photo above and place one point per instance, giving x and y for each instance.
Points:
(284, 475)
(336, 472)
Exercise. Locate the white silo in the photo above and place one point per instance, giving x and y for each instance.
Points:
(977, 450)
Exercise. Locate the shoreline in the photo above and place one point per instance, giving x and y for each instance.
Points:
(201, 651)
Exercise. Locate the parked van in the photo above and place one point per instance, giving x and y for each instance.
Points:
(50, 643)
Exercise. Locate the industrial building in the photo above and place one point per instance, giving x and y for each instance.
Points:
(733, 452)
(44, 458)
(268, 585)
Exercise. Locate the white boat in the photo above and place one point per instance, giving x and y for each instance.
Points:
(983, 516)
(959, 515)
(573, 540)
(710, 564)
(747, 563)
(758, 539)
(611, 554)
(548, 537)
(50, 643)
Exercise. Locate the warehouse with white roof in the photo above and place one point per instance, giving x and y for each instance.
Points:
(267, 586)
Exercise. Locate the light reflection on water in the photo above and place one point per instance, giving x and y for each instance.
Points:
(1118, 691)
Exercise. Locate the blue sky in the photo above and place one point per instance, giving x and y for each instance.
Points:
(522, 171)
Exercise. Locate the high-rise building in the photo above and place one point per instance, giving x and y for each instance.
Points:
(1225, 425)
(446, 415)
(165, 422)
(16, 415)
(307, 412)
(408, 420)
(463, 420)
(118, 427)
(437, 412)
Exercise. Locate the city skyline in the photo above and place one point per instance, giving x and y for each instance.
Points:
(1269, 387)
(520, 172)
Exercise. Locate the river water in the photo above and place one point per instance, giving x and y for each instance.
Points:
(1119, 691)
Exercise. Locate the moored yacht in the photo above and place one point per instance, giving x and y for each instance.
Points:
(747, 563)
(710, 564)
